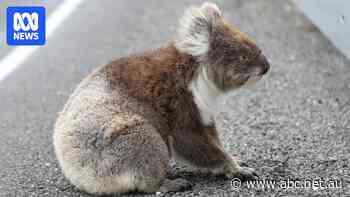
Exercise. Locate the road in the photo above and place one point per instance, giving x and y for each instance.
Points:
(331, 17)
(293, 124)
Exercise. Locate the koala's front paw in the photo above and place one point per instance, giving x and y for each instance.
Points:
(241, 172)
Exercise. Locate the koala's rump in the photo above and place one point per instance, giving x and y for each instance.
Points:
(80, 137)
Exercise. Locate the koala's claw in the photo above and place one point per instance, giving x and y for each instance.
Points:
(247, 173)
(244, 173)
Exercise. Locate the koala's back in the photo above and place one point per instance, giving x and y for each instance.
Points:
(91, 105)
(98, 134)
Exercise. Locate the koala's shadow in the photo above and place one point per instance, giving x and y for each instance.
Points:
(197, 179)
(200, 180)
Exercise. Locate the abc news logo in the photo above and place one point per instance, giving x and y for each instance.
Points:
(25, 25)
(33, 20)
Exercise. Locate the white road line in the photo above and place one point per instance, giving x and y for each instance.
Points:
(20, 53)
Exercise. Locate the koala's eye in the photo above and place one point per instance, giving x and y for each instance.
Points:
(243, 58)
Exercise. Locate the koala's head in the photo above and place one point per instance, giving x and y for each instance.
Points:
(227, 56)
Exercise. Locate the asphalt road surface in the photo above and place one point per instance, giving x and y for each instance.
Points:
(294, 124)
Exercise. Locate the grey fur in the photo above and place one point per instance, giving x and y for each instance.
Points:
(136, 160)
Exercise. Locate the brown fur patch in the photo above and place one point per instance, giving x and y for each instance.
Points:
(161, 78)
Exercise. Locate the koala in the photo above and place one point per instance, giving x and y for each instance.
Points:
(127, 119)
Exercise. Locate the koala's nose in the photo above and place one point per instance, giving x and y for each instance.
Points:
(264, 63)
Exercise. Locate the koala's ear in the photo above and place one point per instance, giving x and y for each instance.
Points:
(211, 11)
(194, 29)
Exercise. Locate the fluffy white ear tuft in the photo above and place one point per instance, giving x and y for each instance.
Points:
(211, 10)
(194, 29)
